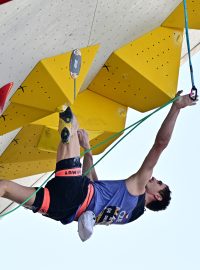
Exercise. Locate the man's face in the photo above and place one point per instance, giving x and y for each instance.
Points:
(154, 186)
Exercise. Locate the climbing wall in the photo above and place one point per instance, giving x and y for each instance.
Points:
(47, 87)
(33, 149)
(131, 58)
(176, 18)
(144, 73)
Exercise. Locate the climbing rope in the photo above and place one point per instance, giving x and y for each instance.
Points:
(193, 93)
(133, 126)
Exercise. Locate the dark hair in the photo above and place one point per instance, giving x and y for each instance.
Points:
(161, 205)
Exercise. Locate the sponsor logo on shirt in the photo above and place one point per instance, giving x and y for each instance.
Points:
(112, 214)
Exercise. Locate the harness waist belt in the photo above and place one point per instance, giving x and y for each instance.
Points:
(69, 172)
(87, 201)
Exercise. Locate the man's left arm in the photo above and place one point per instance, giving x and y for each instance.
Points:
(88, 158)
(162, 140)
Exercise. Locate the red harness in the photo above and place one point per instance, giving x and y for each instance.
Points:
(69, 172)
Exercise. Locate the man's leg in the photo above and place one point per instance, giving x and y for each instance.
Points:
(72, 148)
(16, 193)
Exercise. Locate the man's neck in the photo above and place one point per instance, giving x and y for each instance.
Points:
(148, 198)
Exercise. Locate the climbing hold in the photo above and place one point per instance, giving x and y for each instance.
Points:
(4, 1)
(75, 63)
(4, 91)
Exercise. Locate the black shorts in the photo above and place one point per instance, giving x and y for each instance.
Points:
(67, 193)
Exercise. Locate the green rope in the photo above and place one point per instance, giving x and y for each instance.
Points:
(120, 132)
(133, 126)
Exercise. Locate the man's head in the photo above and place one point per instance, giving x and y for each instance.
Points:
(159, 195)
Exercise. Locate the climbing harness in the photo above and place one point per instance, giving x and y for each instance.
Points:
(193, 93)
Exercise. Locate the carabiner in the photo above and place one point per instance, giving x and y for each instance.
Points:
(193, 93)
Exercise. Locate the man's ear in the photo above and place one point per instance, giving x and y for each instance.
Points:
(158, 197)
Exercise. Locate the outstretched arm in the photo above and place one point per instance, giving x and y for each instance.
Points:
(137, 182)
(88, 158)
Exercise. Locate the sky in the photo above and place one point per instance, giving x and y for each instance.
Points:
(164, 240)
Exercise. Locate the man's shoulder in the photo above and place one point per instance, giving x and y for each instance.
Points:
(134, 184)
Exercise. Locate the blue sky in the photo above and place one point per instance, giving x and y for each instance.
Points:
(167, 240)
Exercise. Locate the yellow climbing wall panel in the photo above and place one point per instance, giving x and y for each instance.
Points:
(50, 138)
(176, 18)
(34, 149)
(15, 170)
(20, 113)
(103, 137)
(144, 73)
(95, 112)
(48, 86)
(23, 158)
(100, 116)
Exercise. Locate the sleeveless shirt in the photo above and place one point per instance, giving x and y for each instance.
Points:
(113, 204)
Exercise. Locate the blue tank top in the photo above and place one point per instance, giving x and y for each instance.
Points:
(113, 204)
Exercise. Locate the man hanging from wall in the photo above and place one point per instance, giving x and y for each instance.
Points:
(72, 196)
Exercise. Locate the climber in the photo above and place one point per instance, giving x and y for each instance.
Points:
(71, 196)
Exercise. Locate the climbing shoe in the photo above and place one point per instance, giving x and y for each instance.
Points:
(65, 124)
(65, 135)
(67, 115)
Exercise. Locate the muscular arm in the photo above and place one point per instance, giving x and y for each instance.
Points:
(87, 164)
(88, 158)
(137, 182)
